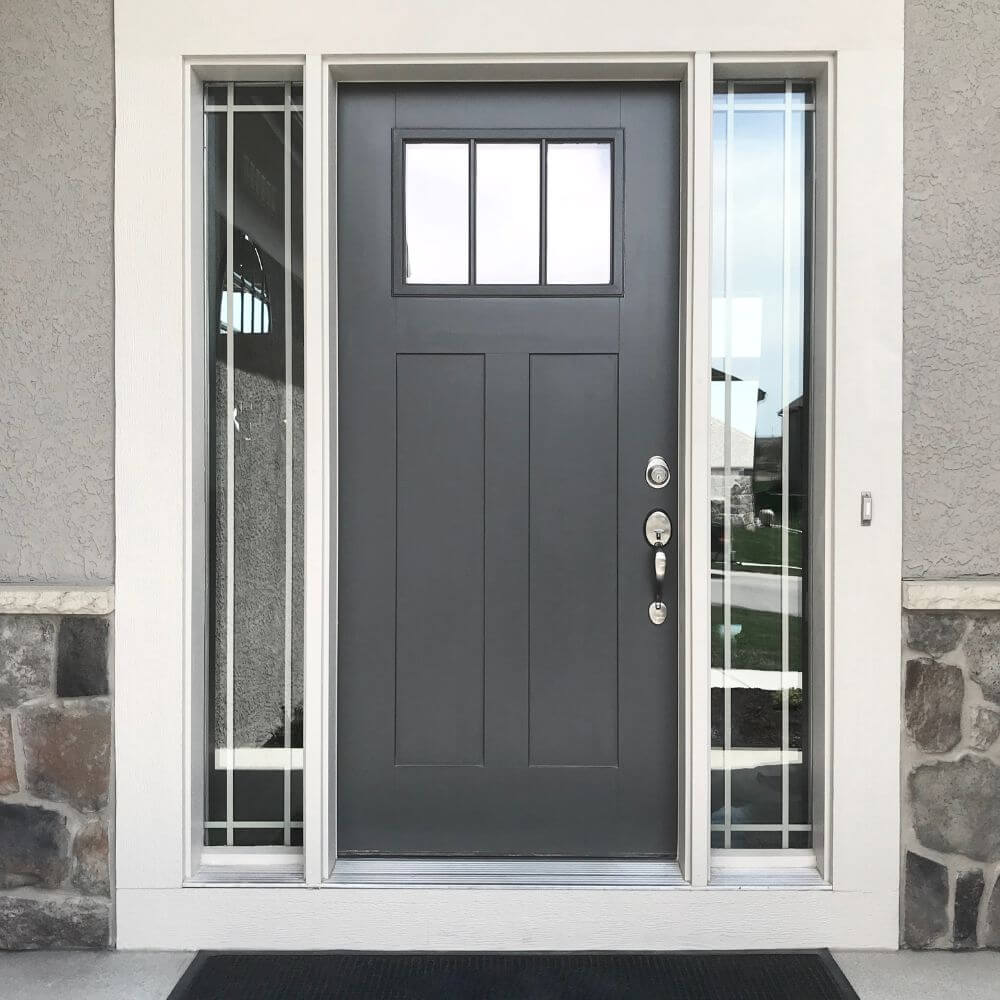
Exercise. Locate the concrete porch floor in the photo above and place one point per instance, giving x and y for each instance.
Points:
(128, 975)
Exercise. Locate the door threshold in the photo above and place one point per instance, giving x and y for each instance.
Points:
(503, 872)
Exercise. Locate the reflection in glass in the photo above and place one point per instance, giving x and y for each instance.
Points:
(578, 213)
(253, 252)
(436, 200)
(268, 94)
(507, 212)
(759, 466)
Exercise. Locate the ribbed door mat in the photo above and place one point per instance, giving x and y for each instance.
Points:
(803, 975)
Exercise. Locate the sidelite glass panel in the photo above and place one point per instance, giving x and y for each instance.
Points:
(578, 210)
(508, 214)
(436, 203)
(762, 167)
(254, 309)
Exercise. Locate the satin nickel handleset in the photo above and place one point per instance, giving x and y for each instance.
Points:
(658, 532)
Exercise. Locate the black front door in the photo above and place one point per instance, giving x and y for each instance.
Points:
(507, 275)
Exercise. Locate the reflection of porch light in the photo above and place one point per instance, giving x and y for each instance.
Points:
(251, 299)
(251, 313)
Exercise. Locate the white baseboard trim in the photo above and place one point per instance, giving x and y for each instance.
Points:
(476, 918)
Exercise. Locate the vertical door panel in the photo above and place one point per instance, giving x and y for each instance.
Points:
(439, 558)
(573, 529)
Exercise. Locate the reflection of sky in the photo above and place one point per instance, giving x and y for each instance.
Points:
(579, 213)
(437, 212)
(756, 294)
(507, 212)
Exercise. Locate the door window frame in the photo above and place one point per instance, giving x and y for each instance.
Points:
(613, 136)
(167, 895)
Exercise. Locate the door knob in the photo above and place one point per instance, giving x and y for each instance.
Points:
(658, 532)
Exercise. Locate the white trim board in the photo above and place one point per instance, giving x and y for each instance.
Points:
(969, 594)
(157, 635)
(35, 599)
(475, 918)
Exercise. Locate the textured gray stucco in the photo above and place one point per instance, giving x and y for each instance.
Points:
(951, 392)
(56, 307)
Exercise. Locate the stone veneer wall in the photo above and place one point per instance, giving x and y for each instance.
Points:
(951, 780)
(55, 781)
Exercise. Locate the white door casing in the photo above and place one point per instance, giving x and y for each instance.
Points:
(856, 53)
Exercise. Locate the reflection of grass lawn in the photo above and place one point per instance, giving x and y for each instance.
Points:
(763, 547)
(757, 646)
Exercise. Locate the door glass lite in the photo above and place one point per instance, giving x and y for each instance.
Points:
(254, 310)
(759, 445)
(437, 213)
(578, 206)
(508, 219)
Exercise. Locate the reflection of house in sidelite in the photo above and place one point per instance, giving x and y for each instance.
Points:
(758, 693)
(739, 466)
(767, 461)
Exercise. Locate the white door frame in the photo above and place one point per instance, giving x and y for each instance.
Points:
(160, 579)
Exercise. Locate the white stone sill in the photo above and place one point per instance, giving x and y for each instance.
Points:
(34, 599)
(961, 594)
(968, 594)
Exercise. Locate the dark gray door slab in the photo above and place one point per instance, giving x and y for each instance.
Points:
(501, 689)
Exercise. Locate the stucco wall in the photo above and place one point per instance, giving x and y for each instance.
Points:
(56, 307)
(56, 292)
(951, 448)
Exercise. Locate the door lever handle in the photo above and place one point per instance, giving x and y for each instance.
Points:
(658, 610)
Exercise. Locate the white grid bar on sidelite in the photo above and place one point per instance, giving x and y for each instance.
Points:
(289, 458)
(238, 108)
(765, 827)
(786, 324)
(253, 824)
(230, 418)
(727, 473)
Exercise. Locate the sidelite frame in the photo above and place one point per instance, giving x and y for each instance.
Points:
(860, 909)
(253, 313)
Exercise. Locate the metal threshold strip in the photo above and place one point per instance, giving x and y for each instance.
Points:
(520, 873)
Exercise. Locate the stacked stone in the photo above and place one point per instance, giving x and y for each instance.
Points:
(55, 781)
(951, 763)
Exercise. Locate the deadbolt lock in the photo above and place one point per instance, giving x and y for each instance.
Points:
(657, 472)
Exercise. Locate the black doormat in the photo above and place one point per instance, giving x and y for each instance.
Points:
(801, 975)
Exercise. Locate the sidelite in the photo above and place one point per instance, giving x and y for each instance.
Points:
(759, 444)
(253, 287)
